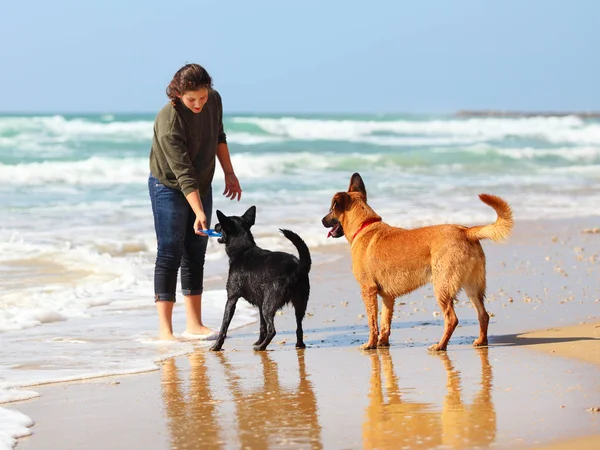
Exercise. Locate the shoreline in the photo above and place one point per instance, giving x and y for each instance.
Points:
(335, 328)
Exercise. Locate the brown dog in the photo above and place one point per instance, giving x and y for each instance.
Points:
(392, 261)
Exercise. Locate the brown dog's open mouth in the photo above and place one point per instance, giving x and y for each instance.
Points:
(336, 231)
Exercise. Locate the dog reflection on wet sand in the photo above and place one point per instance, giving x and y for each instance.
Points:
(271, 416)
(267, 415)
(393, 422)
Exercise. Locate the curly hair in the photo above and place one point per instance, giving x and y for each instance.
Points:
(190, 77)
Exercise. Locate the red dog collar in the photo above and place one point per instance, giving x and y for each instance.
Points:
(365, 224)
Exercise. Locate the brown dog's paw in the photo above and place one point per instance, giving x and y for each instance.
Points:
(480, 343)
(383, 344)
(368, 346)
(436, 348)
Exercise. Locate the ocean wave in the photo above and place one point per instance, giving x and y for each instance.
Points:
(100, 170)
(106, 171)
(587, 170)
(96, 170)
(60, 129)
(244, 138)
(587, 154)
(59, 133)
(551, 129)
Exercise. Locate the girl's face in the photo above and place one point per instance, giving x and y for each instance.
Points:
(195, 100)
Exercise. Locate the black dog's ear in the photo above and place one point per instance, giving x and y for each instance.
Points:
(357, 185)
(222, 217)
(250, 216)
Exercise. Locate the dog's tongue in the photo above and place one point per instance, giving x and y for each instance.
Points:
(333, 230)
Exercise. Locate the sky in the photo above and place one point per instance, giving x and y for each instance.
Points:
(309, 56)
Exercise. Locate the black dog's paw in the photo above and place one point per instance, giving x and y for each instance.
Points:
(215, 348)
(259, 348)
(300, 345)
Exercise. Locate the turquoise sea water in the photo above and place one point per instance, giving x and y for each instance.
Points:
(74, 189)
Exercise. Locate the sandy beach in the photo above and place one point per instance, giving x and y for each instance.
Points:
(535, 386)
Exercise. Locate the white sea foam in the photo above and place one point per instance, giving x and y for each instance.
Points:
(55, 279)
(107, 341)
(92, 171)
(13, 425)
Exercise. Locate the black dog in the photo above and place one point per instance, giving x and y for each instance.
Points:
(264, 278)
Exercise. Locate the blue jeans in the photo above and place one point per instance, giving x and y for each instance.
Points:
(178, 245)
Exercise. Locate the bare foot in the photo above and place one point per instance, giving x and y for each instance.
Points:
(166, 335)
(200, 329)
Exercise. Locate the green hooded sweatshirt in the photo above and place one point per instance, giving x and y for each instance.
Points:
(184, 145)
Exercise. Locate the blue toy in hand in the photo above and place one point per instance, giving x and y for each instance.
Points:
(211, 233)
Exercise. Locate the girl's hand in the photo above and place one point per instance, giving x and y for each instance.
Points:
(200, 223)
(232, 187)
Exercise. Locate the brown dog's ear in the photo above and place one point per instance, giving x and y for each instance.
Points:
(357, 185)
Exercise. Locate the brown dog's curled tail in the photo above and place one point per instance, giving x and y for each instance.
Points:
(500, 229)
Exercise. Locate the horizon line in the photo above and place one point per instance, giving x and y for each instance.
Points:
(458, 112)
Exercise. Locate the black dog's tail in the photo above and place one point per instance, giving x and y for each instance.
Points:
(305, 261)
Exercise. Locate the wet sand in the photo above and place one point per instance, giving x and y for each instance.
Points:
(527, 389)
